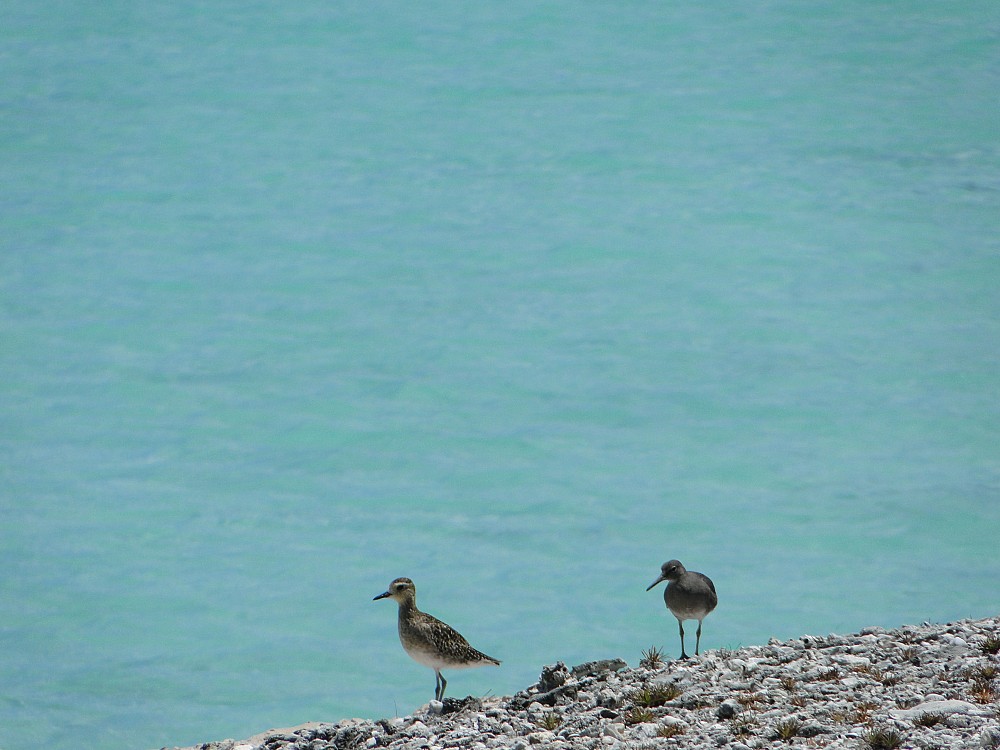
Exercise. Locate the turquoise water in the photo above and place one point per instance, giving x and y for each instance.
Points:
(517, 300)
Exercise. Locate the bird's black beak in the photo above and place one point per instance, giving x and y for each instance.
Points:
(655, 582)
(383, 595)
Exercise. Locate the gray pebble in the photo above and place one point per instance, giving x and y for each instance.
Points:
(728, 709)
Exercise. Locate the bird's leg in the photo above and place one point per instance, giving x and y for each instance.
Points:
(444, 684)
(697, 642)
(680, 625)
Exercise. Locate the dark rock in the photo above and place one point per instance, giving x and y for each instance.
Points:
(280, 739)
(553, 676)
(813, 730)
(727, 709)
(607, 713)
(454, 705)
(608, 699)
(346, 736)
(873, 630)
(598, 668)
(522, 700)
(552, 696)
(326, 731)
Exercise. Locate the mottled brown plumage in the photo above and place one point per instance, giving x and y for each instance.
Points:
(429, 641)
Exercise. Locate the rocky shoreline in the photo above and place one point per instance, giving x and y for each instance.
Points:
(927, 687)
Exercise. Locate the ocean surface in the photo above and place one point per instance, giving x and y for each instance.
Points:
(519, 300)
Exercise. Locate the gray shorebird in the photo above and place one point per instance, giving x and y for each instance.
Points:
(429, 641)
(689, 596)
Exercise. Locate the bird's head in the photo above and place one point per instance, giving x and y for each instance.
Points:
(669, 571)
(402, 590)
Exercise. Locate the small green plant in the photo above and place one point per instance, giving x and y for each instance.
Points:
(670, 730)
(653, 697)
(550, 721)
(982, 689)
(885, 677)
(984, 674)
(983, 692)
(652, 658)
(829, 675)
(788, 729)
(798, 701)
(876, 674)
(928, 720)
(639, 715)
(883, 738)
(860, 714)
(789, 683)
(991, 646)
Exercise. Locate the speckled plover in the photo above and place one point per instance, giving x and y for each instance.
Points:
(689, 596)
(429, 641)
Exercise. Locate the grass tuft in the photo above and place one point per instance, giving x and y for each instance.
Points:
(788, 729)
(639, 715)
(983, 692)
(656, 696)
(751, 699)
(859, 714)
(743, 725)
(928, 720)
(982, 678)
(670, 730)
(878, 675)
(883, 739)
(550, 721)
(991, 646)
(984, 674)
(652, 658)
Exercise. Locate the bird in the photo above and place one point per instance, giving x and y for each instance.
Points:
(429, 641)
(689, 596)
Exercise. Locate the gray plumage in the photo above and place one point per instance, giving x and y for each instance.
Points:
(429, 641)
(689, 596)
